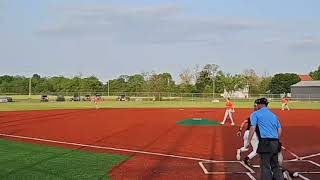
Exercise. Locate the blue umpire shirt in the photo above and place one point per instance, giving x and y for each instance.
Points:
(267, 122)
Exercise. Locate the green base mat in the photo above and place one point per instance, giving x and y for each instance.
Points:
(198, 122)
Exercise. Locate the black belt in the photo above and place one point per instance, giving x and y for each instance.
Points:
(270, 139)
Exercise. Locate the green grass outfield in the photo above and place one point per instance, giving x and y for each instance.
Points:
(19, 161)
(24, 106)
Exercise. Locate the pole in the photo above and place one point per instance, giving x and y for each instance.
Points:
(30, 89)
(108, 88)
(213, 87)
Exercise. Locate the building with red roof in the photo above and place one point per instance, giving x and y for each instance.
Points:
(305, 78)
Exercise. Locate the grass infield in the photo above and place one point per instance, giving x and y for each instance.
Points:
(28, 161)
(25, 106)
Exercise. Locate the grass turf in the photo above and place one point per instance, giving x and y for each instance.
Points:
(24, 106)
(21, 161)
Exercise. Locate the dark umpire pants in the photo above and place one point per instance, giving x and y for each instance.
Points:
(268, 150)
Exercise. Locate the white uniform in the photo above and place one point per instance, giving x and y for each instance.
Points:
(254, 143)
(227, 114)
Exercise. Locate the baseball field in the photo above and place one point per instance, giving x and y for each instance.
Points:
(144, 140)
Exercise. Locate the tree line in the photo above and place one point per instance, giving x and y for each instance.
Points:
(207, 79)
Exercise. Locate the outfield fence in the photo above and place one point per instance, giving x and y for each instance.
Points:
(156, 96)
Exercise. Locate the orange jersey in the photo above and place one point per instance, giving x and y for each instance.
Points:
(285, 100)
(97, 100)
(229, 105)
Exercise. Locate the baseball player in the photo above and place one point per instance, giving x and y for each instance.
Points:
(97, 101)
(229, 112)
(284, 104)
(254, 142)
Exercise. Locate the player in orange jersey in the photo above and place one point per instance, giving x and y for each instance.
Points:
(284, 104)
(97, 100)
(229, 112)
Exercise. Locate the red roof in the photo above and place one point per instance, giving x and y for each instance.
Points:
(305, 78)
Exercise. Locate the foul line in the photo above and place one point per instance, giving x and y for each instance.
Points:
(303, 177)
(107, 148)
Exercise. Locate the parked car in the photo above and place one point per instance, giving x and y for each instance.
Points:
(60, 98)
(44, 98)
(86, 98)
(9, 99)
(75, 98)
(5, 99)
(123, 97)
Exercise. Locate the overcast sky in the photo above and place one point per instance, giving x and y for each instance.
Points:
(108, 38)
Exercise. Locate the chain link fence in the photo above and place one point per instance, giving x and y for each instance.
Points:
(155, 96)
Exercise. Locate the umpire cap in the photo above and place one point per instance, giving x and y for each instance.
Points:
(262, 101)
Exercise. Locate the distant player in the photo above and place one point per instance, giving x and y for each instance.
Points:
(229, 112)
(254, 142)
(284, 104)
(97, 100)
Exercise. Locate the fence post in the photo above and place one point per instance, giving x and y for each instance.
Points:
(309, 98)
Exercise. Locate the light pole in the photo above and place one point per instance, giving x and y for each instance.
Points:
(108, 88)
(213, 86)
(30, 89)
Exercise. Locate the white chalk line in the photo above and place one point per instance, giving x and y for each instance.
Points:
(303, 177)
(247, 167)
(310, 156)
(292, 153)
(251, 176)
(204, 169)
(314, 163)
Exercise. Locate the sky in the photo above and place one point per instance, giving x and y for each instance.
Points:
(109, 38)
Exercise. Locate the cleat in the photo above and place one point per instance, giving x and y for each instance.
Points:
(246, 161)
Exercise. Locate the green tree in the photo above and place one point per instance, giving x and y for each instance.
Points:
(203, 81)
(252, 80)
(315, 74)
(264, 85)
(186, 78)
(90, 84)
(205, 78)
(161, 83)
(281, 83)
(117, 85)
(135, 83)
(232, 83)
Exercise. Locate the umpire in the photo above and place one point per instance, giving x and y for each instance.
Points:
(269, 129)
